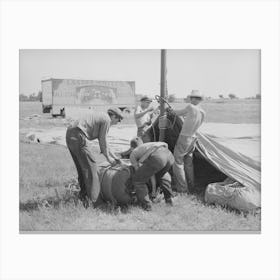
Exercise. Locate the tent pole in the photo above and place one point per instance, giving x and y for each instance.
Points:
(162, 91)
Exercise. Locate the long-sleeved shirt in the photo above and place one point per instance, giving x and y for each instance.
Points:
(193, 118)
(95, 126)
(142, 152)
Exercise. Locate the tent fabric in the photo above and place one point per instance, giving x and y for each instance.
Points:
(235, 165)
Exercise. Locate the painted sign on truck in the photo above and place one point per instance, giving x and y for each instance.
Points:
(61, 96)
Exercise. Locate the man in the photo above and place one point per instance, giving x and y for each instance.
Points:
(89, 127)
(143, 115)
(183, 151)
(150, 159)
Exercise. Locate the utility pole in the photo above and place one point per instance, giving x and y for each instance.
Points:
(162, 92)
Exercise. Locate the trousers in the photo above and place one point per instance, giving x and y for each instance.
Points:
(85, 163)
(158, 164)
(183, 167)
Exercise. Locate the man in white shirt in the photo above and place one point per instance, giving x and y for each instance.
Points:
(150, 159)
(183, 152)
(143, 115)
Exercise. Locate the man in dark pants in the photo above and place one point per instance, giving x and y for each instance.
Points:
(150, 159)
(89, 127)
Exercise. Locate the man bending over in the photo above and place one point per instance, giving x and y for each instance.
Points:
(150, 159)
(78, 136)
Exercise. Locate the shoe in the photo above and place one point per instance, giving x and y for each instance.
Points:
(146, 206)
(182, 191)
(168, 201)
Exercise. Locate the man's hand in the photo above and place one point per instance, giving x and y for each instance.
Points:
(112, 161)
(118, 160)
(150, 109)
(170, 110)
(148, 123)
(115, 161)
(135, 166)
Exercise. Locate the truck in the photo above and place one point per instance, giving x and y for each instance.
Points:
(63, 97)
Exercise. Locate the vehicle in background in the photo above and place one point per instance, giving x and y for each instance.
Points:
(63, 97)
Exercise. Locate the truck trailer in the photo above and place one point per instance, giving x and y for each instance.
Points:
(63, 97)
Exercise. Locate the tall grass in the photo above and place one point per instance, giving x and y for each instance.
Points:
(47, 168)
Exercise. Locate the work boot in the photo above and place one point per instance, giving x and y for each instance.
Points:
(168, 201)
(146, 206)
(142, 196)
(84, 199)
(167, 192)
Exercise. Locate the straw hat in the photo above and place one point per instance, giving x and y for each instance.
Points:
(196, 93)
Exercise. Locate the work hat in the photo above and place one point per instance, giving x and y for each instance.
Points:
(135, 142)
(146, 98)
(196, 93)
(116, 111)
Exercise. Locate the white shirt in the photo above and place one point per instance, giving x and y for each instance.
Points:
(140, 122)
(193, 118)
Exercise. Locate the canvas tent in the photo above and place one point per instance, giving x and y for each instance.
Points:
(231, 163)
(215, 163)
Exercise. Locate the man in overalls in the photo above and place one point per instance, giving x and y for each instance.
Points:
(78, 136)
(183, 151)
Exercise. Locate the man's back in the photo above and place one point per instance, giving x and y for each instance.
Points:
(93, 124)
(193, 119)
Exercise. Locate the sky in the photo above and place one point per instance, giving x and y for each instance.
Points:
(213, 72)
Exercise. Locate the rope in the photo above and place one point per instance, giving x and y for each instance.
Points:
(154, 133)
(171, 127)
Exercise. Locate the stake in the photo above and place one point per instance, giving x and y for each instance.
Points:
(162, 91)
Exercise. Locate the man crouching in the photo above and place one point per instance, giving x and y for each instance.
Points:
(150, 159)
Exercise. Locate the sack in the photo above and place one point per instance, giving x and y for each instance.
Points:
(114, 184)
(234, 195)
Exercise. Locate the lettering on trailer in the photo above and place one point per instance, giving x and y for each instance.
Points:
(100, 94)
(88, 82)
(86, 92)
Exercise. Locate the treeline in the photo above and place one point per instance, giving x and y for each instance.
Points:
(172, 98)
(31, 97)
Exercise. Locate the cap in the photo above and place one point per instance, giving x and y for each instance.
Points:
(135, 142)
(146, 98)
(115, 111)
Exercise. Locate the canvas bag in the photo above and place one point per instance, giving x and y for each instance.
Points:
(234, 195)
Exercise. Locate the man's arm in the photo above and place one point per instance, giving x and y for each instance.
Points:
(113, 155)
(182, 111)
(102, 139)
(134, 159)
(141, 114)
(203, 116)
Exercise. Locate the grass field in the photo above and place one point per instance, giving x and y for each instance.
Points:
(221, 111)
(46, 169)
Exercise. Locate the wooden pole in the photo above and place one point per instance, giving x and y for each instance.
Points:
(162, 91)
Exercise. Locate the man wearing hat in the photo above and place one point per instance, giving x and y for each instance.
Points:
(143, 115)
(183, 151)
(89, 127)
(150, 159)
